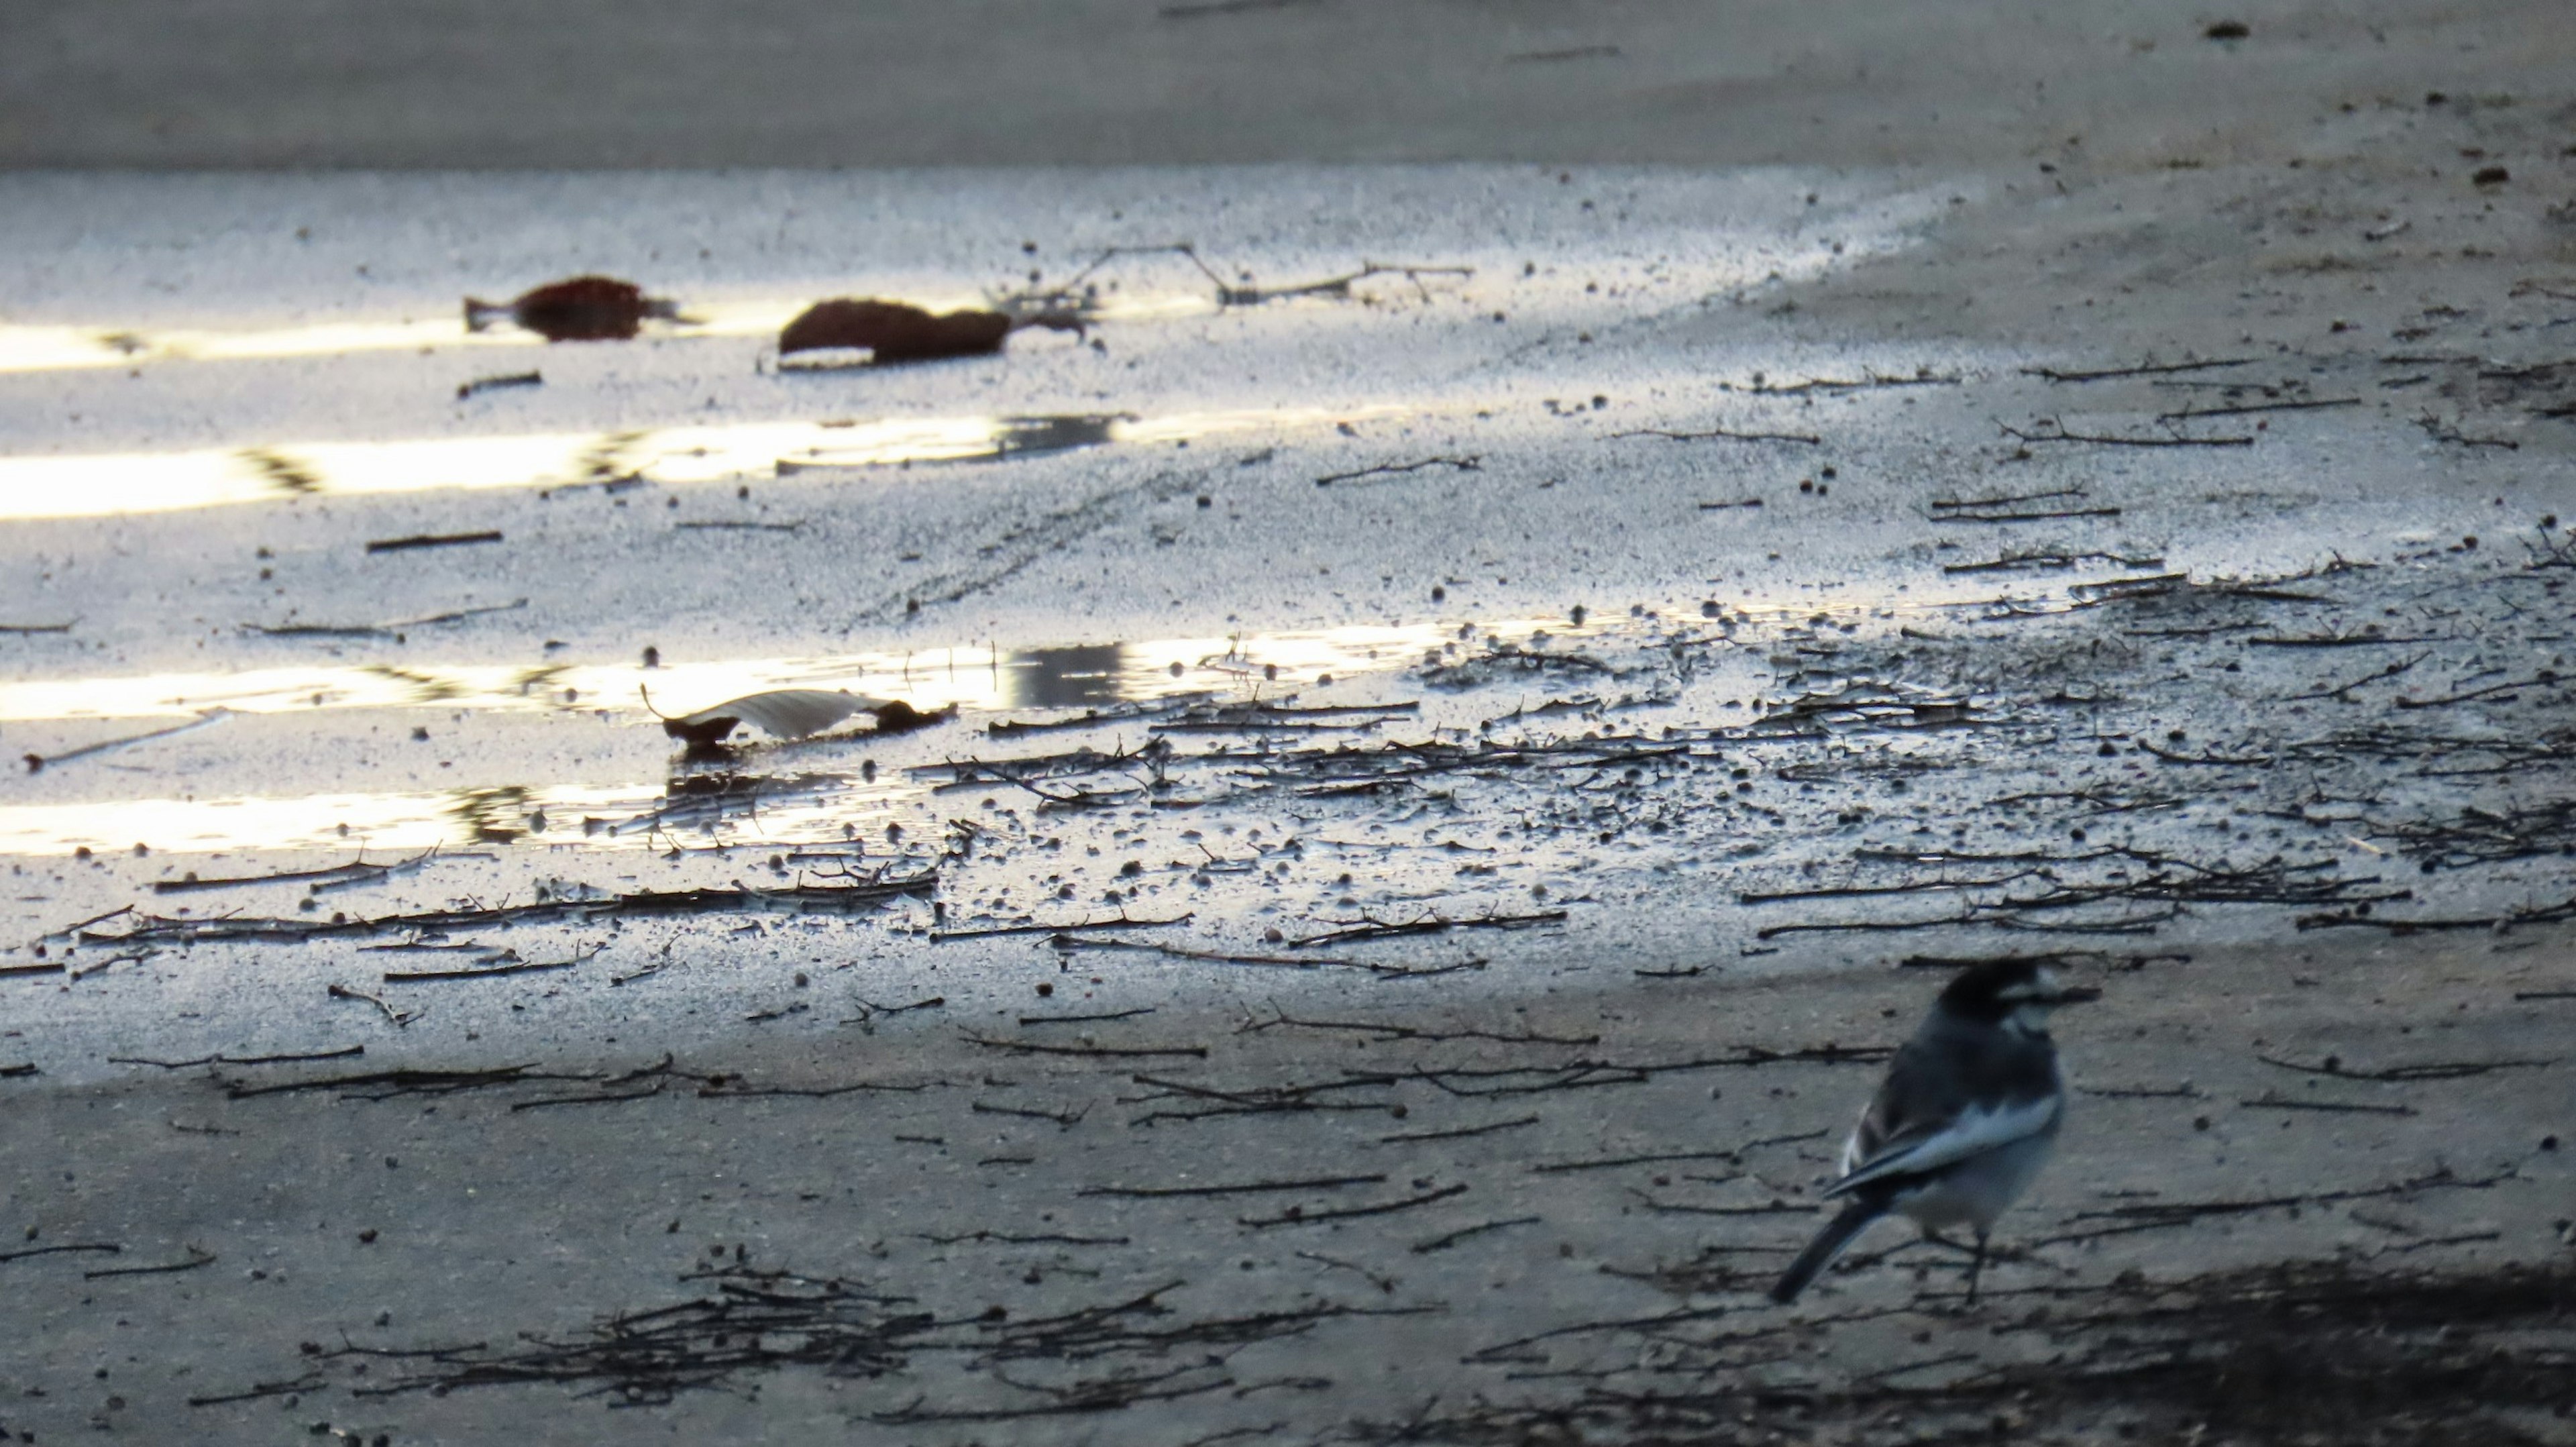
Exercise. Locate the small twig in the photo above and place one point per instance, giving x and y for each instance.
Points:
(2339, 690)
(2008, 508)
(400, 1018)
(2060, 434)
(2440, 431)
(2151, 370)
(2238, 411)
(1664, 1157)
(105, 1248)
(2277, 1101)
(1923, 378)
(2443, 1070)
(335, 874)
(1123, 921)
(391, 629)
(1366, 928)
(869, 1009)
(72, 929)
(2337, 640)
(1067, 943)
(1024, 1047)
(1716, 433)
(1391, 469)
(1458, 1133)
(310, 1382)
(197, 1256)
(1409, 1032)
(1008, 1239)
(2170, 757)
(1320, 1183)
(1386, 1284)
(1685, 1208)
(37, 762)
(2010, 562)
(1067, 1119)
(1294, 1216)
(1027, 1020)
(521, 967)
(298, 1058)
(1443, 1243)
(548, 1102)
(2545, 678)
(481, 385)
(431, 540)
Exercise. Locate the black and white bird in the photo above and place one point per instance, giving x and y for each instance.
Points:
(1968, 1114)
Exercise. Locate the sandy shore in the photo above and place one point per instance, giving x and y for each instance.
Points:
(1458, 775)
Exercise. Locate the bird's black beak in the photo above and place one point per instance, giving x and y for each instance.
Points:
(2074, 995)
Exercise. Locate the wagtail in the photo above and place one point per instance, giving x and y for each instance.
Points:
(1967, 1115)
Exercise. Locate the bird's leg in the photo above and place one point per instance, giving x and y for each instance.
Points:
(1976, 1268)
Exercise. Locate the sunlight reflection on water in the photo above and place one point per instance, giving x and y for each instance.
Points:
(816, 803)
(104, 484)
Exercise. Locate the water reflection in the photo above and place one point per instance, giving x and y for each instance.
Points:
(1065, 677)
(104, 484)
(418, 688)
(283, 473)
(968, 440)
(800, 803)
(976, 678)
(336, 821)
(706, 803)
(491, 815)
(25, 348)
(805, 808)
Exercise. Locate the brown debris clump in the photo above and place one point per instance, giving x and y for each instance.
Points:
(579, 309)
(901, 332)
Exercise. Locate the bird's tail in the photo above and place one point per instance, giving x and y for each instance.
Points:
(1829, 1243)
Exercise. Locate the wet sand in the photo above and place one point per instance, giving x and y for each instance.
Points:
(1457, 781)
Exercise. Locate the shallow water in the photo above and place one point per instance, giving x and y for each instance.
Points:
(302, 589)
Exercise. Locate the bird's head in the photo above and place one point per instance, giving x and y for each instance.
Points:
(2015, 994)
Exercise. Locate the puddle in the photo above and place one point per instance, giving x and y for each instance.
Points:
(693, 805)
(56, 348)
(104, 484)
(975, 678)
(689, 809)
(344, 821)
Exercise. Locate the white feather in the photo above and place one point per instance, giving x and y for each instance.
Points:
(787, 713)
(1972, 1133)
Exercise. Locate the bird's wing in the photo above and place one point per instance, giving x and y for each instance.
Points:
(1934, 1144)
